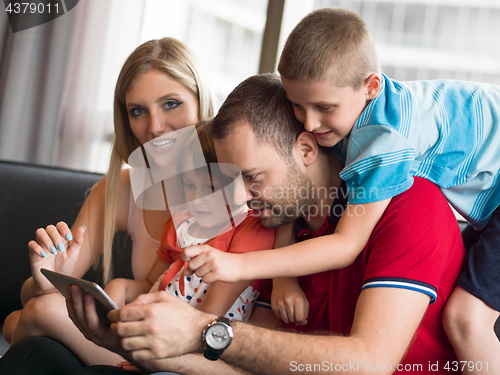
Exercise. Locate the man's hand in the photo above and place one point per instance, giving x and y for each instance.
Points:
(81, 310)
(213, 265)
(159, 325)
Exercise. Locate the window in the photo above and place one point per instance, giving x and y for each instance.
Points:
(225, 35)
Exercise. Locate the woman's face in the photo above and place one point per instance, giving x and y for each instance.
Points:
(158, 104)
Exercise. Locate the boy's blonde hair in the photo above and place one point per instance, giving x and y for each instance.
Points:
(172, 57)
(330, 43)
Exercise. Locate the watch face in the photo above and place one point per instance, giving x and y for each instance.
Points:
(217, 337)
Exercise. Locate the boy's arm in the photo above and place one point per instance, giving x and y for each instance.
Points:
(334, 251)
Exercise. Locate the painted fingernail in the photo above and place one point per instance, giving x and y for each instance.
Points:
(84, 228)
(69, 237)
(43, 254)
(61, 247)
(53, 249)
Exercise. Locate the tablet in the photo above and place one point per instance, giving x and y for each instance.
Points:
(103, 303)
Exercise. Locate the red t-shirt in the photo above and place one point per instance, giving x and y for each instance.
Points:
(416, 245)
(248, 235)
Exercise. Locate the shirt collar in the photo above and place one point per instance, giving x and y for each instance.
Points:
(336, 210)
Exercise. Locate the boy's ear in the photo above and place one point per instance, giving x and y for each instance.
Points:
(372, 86)
(305, 149)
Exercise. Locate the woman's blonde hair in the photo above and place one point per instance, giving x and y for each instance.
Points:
(171, 57)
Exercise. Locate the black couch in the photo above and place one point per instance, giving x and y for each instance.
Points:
(33, 196)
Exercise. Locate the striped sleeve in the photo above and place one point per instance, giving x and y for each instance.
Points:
(378, 165)
(395, 282)
(416, 245)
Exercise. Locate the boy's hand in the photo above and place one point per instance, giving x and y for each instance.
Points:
(289, 302)
(56, 249)
(212, 264)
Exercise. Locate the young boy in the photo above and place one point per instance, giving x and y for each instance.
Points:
(386, 132)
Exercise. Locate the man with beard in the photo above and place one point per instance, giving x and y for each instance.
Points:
(383, 311)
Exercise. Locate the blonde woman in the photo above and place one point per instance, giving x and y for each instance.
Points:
(161, 88)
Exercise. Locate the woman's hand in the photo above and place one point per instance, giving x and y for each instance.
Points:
(56, 249)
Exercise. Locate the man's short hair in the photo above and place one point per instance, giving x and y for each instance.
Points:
(260, 101)
(330, 43)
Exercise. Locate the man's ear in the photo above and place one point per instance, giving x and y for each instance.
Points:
(372, 86)
(305, 149)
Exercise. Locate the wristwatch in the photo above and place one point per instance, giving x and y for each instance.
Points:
(217, 337)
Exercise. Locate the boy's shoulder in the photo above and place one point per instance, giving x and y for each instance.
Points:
(401, 104)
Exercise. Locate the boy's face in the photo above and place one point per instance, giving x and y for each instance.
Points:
(327, 111)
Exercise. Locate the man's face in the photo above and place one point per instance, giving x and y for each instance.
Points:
(277, 190)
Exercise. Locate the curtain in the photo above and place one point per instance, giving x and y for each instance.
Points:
(57, 82)
(33, 65)
(106, 32)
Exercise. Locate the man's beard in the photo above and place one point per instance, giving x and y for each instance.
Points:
(290, 202)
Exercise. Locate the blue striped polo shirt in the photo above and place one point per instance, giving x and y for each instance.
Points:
(445, 131)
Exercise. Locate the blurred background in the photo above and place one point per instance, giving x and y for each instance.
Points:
(57, 79)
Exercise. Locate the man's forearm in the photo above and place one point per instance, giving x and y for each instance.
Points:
(191, 364)
(264, 351)
(384, 324)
